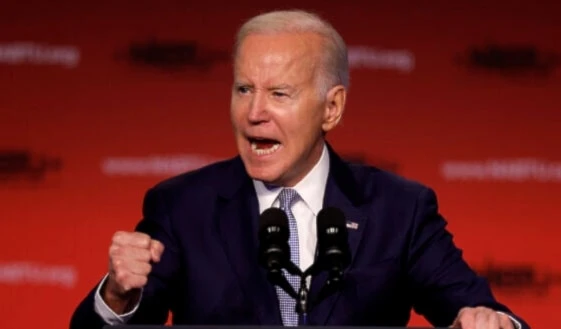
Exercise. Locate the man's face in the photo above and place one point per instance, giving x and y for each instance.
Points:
(276, 111)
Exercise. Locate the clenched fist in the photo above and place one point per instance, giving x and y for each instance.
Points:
(130, 258)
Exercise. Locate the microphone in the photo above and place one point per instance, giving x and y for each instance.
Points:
(333, 247)
(274, 251)
(333, 253)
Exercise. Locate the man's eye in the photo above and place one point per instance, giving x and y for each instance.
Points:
(243, 89)
(279, 94)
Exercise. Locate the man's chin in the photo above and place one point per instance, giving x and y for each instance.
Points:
(266, 174)
(265, 177)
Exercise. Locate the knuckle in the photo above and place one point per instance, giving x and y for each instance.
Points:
(142, 239)
(142, 281)
(117, 263)
(465, 310)
(121, 277)
(118, 237)
(145, 240)
(159, 246)
(114, 249)
(482, 309)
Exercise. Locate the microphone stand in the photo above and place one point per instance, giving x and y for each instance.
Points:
(302, 296)
(277, 278)
(302, 304)
(302, 301)
(333, 282)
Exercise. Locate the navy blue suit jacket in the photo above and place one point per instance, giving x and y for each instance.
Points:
(402, 255)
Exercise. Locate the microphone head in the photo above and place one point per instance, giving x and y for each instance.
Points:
(332, 225)
(273, 223)
(274, 251)
(333, 245)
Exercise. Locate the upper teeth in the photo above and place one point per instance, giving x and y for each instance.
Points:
(264, 151)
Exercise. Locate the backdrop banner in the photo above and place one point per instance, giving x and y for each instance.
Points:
(101, 100)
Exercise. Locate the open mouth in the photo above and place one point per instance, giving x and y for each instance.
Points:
(263, 146)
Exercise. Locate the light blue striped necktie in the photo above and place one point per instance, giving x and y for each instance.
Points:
(287, 304)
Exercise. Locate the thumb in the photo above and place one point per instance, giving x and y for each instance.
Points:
(156, 250)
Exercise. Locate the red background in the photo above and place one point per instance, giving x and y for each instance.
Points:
(107, 107)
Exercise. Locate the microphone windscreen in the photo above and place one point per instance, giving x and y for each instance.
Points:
(331, 217)
(274, 221)
(333, 244)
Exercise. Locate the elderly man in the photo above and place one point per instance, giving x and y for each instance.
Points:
(195, 251)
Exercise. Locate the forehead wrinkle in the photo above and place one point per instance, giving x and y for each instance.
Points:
(276, 66)
(278, 70)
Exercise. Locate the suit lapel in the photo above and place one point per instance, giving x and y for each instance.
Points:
(238, 218)
(343, 192)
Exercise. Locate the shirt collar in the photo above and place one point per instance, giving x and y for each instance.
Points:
(311, 188)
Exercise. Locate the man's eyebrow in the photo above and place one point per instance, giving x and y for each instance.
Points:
(281, 86)
(242, 83)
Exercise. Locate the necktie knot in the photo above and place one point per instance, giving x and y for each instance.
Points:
(287, 197)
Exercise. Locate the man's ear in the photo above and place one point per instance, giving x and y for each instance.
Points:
(334, 107)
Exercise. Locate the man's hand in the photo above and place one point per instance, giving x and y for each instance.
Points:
(481, 318)
(130, 255)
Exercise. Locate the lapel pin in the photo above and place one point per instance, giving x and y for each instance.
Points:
(352, 225)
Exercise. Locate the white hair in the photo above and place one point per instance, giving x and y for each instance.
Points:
(335, 64)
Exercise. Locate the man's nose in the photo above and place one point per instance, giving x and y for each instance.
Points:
(258, 109)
